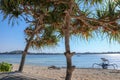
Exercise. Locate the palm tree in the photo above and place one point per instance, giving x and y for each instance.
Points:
(85, 24)
(28, 9)
(110, 15)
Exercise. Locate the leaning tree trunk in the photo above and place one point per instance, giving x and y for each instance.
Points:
(24, 54)
(68, 54)
(38, 27)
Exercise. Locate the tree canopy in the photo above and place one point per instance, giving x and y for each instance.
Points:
(83, 20)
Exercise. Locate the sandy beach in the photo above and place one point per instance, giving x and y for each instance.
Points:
(59, 74)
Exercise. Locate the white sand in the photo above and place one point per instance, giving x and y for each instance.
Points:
(78, 74)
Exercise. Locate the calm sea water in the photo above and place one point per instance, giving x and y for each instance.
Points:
(80, 61)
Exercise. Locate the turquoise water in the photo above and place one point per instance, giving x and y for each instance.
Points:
(80, 61)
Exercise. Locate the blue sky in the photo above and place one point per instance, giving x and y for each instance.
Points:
(13, 38)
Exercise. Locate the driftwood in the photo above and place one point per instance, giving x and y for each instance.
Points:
(53, 67)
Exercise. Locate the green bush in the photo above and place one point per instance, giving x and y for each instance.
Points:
(5, 67)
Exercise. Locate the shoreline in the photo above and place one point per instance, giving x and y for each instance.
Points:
(78, 74)
(78, 53)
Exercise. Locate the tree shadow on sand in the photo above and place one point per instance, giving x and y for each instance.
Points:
(18, 76)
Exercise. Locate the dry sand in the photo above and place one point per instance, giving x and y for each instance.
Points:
(59, 74)
(78, 74)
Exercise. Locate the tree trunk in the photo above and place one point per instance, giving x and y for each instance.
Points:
(68, 54)
(24, 54)
(38, 27)
(70, 68)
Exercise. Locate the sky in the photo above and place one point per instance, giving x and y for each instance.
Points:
(13, 38)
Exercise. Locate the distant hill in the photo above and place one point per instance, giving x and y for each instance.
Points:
(16, 52)
(12, 52)
(20, 52)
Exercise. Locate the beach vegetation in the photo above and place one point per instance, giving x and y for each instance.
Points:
(5, 67)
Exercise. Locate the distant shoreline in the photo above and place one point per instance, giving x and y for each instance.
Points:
(78, 53)
(59, 53)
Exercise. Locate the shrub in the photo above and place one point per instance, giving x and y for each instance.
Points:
(5, 67)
